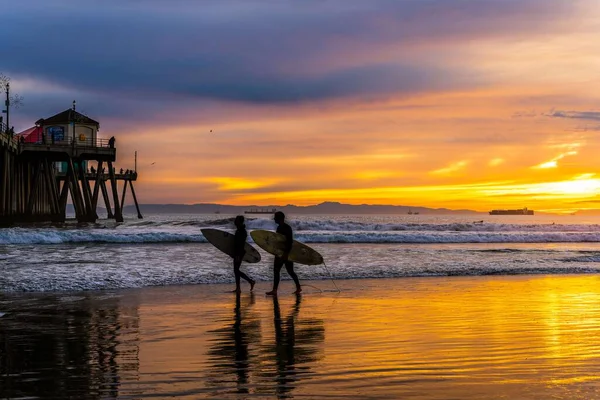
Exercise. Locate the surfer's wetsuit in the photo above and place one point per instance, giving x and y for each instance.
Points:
(285, 230)
(239, 242)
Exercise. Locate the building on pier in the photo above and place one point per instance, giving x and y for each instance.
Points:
(69, 127)
(42, 167)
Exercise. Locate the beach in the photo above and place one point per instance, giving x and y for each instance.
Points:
(493, 337)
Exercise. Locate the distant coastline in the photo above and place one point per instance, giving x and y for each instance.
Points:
(322, 208)
(325, 208)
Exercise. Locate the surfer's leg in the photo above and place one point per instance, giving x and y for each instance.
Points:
(246, 278)
(277, 264)
(237, 262)
(289, 267)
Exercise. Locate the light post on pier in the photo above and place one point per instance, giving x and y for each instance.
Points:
(7, 104)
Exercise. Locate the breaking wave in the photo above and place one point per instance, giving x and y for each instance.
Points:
(23, 236)
(434, 234)
(331, 225)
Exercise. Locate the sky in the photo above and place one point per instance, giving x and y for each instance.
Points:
(475, 104)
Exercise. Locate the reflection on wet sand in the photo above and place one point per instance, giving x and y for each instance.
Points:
(64, 347)
(294, 348)
(428, 338)
(232, 353)
(269, 363)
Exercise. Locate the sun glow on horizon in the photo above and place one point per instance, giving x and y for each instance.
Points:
(483, 195)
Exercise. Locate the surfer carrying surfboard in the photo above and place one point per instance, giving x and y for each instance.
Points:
(238, 253)
(286, 230)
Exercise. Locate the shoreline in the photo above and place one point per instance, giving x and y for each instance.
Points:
(223, 287)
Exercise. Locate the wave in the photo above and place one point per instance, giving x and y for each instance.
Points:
(24, 236)
(337, 226)
(588, 257)
(349, 226)
(188, 222)
(449, 237)
(20, 236)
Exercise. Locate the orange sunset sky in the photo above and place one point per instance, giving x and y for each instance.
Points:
(459, 104)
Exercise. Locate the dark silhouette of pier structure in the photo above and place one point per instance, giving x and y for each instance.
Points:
(41, 167)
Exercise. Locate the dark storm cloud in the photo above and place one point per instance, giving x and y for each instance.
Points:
(254, 51)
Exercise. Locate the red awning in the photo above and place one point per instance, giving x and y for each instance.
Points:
(31, 135)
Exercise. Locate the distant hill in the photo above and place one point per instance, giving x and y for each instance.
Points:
(322, 208)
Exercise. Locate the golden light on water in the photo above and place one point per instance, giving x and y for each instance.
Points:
(463, 337)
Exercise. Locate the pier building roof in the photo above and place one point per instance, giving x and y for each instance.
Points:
(66, 117)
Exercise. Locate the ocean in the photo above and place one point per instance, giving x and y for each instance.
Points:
(429, 307)
(163, 250)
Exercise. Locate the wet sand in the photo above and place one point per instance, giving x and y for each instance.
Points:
(495, 337)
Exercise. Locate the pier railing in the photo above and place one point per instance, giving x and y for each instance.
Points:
(92, 176)
(7, 138)
(79, 141)
(77, 147)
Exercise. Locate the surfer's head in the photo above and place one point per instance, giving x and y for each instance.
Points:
(279, 217)
(239, 221)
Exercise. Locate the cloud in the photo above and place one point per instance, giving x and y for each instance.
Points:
(495, 162)
(586, 115)
(525, 114)
(554, 162)
(547, 164)
(454, 167)
(260, 52)
(492, 138)
(568, 146)
(237, 184)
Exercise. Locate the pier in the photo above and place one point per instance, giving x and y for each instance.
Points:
(43, 166)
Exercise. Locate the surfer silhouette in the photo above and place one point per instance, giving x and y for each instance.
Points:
(238, 250)
(286, 230)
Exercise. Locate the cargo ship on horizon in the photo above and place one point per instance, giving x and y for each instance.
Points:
(261, 211)
(522, 211)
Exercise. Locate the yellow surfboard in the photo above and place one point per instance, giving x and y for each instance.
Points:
(274, 243)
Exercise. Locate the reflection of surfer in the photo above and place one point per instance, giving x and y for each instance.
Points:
(285, 341)
(297, 346)
(279, 262)
(232, 353)
(241, 348)
(238, 251)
